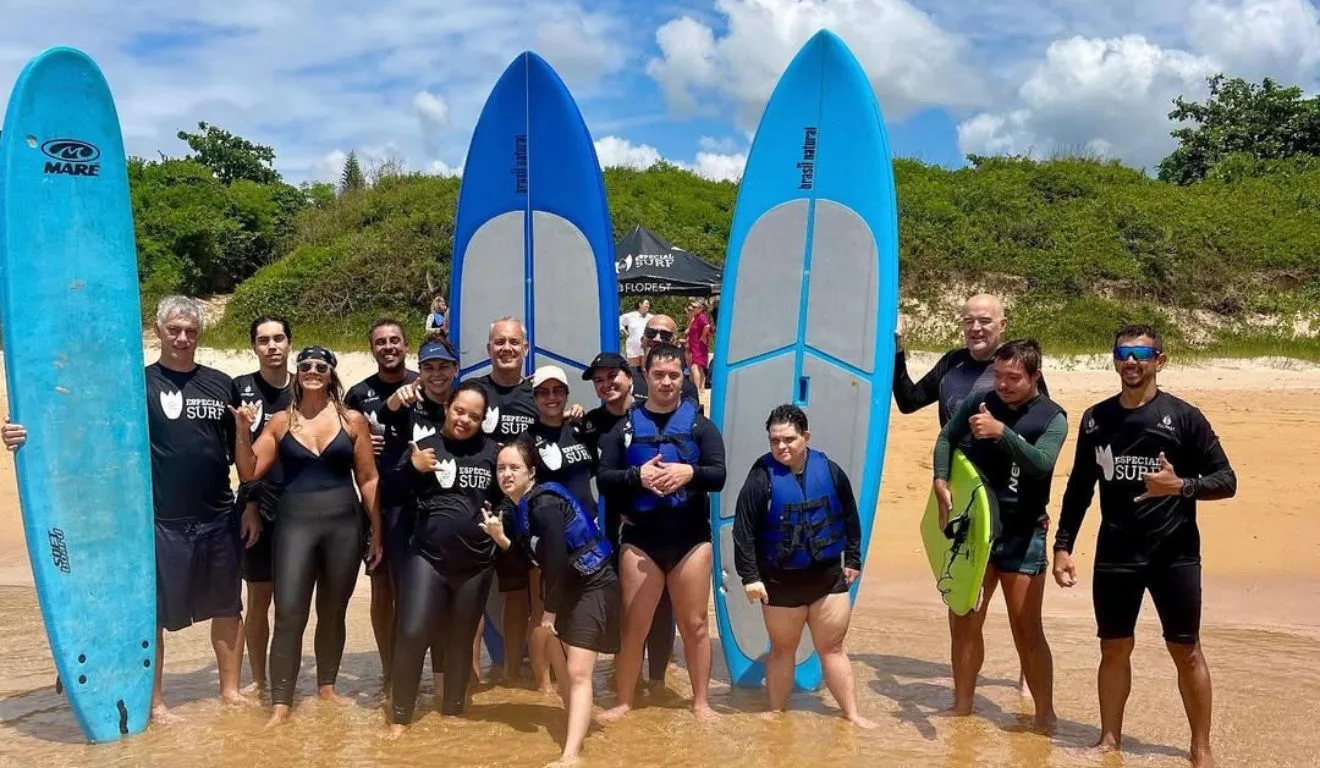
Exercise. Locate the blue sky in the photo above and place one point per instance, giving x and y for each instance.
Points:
(684, 81)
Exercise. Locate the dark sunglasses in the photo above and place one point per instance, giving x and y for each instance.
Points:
(307, 366)
(664, 335)
(1141, 354)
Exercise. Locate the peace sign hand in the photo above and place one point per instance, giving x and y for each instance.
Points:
(1164, 482)
(493, 525)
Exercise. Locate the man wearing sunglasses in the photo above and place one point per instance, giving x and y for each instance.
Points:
(1153, 456)
(661, 329)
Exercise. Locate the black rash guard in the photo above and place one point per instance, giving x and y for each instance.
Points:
(253, 389)
(192, 442)
(450, 500)
(566, 457)
(754, 502)
(509, 410)
(617, 477)
(368, 397)
(954, 376)
(547, 516)
(1116, 447)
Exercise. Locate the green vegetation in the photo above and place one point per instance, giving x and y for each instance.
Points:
(1224, 260)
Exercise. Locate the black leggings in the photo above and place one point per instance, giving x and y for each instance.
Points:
(438, 611)
(660, 640)
(318, 543)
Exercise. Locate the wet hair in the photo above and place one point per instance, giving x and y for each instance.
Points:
(1025, 351)
(787, 414)
(471, 385)
(663, 351)
(172, 306)
(381, 322)
(1135, 330)
(263, 319)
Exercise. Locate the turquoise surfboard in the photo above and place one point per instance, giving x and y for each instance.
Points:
(73, 364)
(810, 297)
(533, 239)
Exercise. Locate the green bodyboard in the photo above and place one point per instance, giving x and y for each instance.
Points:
(958, 564)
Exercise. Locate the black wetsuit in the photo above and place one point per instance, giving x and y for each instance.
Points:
(509, 412)
(447, 575)
(954, 376)
(1152, 544)
(792, 587)
(318, 544)
(198, 550)
(368, 398)
(253, 389)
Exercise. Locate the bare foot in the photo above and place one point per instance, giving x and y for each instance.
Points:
(704, 713)
(394, 732)
(772, 715)
(563, 762)
(327, 693)
(1046, 723)
(547, 689)
(1106, 744)
(1202, 757)
(279, 716)
(161, 715)
(239, 699)
(955, 711)
(254, 687)
(863, 723)
(1024, 690)
(613, 715)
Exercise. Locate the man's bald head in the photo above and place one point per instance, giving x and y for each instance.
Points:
(660, 328)
(983, 325)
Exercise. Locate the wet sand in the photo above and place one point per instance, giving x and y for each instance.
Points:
(1261, 637)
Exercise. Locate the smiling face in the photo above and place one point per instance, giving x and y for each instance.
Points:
(612, 384)
(464, 415)
(507, 347)
(1137, 360)
(1012, 382)
(178, 338)
(550, 399)
(314, 375)
(389, 348)
(983, 325)
(437, 377)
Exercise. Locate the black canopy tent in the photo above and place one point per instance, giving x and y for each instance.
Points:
(648, 264)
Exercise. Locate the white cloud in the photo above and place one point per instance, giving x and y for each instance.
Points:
(312, 76)
(614, 152)
(432, 109)
(439, 168)
(911, 61)
(1112, 96)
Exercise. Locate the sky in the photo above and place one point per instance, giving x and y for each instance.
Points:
(684, 81)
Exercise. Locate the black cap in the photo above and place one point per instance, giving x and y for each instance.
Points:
(606, 360)
(315, 352)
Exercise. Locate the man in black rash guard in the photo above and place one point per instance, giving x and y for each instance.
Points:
(1012, 434)
(661, 329)
(389, 346)
(1153, 456)
(667, 458)
(270, 389)
(199, 537)
(960, 372)
(614, 382)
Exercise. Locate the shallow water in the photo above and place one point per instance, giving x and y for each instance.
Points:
(1266, 686)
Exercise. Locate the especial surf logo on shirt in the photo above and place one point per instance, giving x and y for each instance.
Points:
(1124, 468)
(197, 408)
(71, 157)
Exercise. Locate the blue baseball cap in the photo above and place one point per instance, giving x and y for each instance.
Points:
(437, 350)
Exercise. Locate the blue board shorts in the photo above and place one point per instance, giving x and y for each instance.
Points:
(199, 571)
(1021, 550)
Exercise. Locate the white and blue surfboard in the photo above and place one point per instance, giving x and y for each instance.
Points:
(533, 239)
(73, 363)
(809, 303)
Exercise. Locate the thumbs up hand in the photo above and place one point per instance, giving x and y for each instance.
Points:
(1163, 482)
(985, 426)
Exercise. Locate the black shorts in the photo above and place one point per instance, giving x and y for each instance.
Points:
(198, 572)
(513, 570)
(1175, 590)
(800, 587)
(259, 559)
(665, 548)
(593, 621)
(1021, 550)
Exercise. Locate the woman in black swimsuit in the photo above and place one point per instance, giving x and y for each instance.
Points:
(326, 455)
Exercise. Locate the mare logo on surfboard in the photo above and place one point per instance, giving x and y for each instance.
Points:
(520, 164)
(808, 164)
(71, 157)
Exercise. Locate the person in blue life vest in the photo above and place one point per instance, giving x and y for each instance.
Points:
(558, 533)
(797, 548)
(665, 459)
(1016, 432)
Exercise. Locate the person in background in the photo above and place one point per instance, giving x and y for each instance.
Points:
(700, 337)
(438, 320)
(631, 325)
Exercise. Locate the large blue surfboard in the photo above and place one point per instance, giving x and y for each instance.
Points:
(533, 240)
(73, 364)
(810, 298)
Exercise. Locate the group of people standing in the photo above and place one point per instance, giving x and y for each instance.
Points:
(446, 490)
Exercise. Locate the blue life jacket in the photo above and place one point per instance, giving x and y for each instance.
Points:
(588, 549)
(802, 527)
(675, 445)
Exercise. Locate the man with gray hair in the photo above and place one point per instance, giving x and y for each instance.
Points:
(199, 538)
